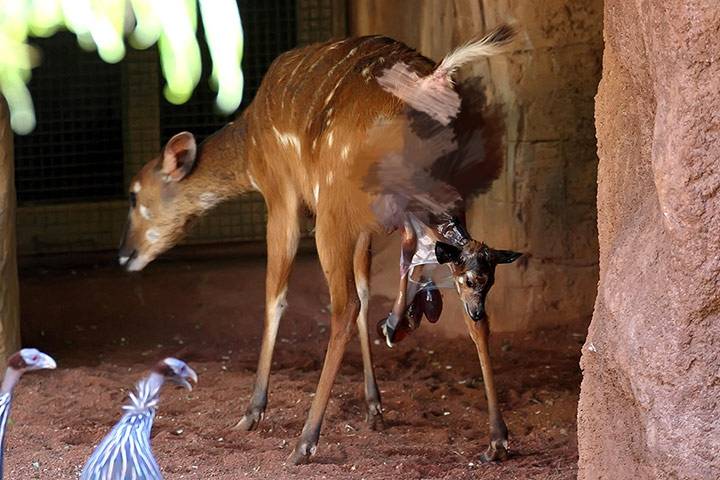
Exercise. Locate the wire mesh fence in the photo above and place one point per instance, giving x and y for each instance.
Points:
(98, 123)
(76, 151)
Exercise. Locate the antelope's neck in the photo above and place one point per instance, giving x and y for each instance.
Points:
(220, 169)
(444, 228)
(452, 230)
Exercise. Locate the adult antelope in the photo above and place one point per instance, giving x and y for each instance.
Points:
(308, 139)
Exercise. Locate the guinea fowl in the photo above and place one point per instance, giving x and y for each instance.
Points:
(125, 452)
(25, 360)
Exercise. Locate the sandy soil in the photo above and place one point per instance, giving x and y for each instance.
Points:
(106, 328)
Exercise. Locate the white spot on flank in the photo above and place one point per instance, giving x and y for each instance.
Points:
(330, 177)
(332, 92)
(145, 212)
(330, 139)
(314, 143)
(345, 152)
(287, 139)
(316, 192)
(253, 141)
(136, 187)
(208, 200)
(152, 235)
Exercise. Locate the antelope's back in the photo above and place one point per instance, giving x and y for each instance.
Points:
(314, 105)
(315, 87)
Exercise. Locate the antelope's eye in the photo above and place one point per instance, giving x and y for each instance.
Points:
(133, 199)
(469, 282)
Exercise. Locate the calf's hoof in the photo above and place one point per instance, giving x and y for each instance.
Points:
(250, 420)
(497, 451)
(302, 453)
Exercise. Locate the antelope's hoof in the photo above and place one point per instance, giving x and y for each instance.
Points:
(250, 420)
(302, 453)
(374, 417)
(497, 451)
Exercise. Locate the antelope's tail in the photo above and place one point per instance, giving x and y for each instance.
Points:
(489, 44)
(434, 94)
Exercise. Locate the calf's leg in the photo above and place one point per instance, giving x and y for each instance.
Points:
(497, 450)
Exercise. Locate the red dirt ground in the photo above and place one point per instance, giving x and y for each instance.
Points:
(106, 328)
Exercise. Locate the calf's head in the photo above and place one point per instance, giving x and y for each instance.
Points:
(159, 204)
(473, 269)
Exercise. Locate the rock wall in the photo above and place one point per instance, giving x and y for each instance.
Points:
(544, 203)
(650, 399)
(9, 300)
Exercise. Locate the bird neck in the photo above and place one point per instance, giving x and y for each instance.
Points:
(154, 381)
(10, 380)
(146, 394)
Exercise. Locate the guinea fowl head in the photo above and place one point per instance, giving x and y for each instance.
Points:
(29, 359)
(26, 360)
(177, 372)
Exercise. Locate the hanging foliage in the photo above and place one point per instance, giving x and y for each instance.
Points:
(106, 26)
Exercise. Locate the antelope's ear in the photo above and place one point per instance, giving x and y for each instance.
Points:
(504, 256)
(447, 253)
(178, 156)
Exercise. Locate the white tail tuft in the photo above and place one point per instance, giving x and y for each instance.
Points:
(488, 45)
(433, 95)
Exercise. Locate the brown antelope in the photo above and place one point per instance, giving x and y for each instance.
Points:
(298, 144)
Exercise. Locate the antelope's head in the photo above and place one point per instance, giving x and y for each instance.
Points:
(473, 269)
(161, 204)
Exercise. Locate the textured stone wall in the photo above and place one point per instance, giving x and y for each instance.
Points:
(544, 203)
(650, 399)
(9, 300)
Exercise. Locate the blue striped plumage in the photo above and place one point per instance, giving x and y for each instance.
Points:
(4, 413)
(125, 452)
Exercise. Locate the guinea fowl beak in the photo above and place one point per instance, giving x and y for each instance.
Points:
(46, 361)
(189, 375)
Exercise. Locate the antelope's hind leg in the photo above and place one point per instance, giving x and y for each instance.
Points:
(362, 262)
(336, 247)
(283, 233)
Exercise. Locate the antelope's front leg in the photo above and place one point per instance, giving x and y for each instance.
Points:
(497, 450)
(283, 233)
